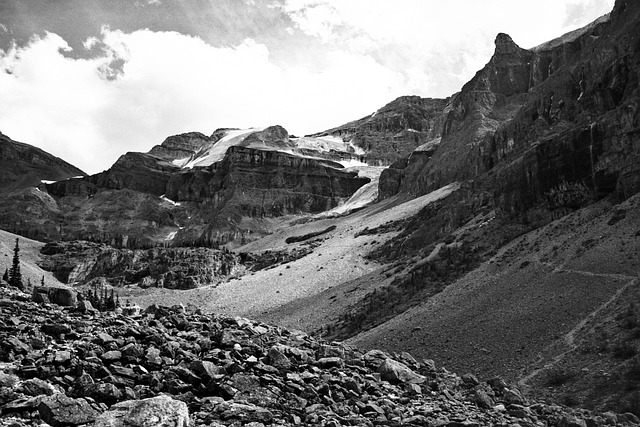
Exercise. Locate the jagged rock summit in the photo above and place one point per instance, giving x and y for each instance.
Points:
(177, 367)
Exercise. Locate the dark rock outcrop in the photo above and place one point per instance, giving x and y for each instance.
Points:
(176, 268)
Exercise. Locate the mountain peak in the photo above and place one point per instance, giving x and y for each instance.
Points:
(505, 45)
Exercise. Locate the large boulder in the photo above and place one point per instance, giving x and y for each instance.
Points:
(396, 372)
(60, 410)
(61, 295)
(159, 411)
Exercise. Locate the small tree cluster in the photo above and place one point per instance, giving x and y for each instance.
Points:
(101, 299)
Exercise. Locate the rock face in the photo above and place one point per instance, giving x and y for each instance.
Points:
(176, 367)
(22, 166)
(80, 262)
(395, 130)
(266, 183)
(543, 130)
(181, 146)
(146, 199)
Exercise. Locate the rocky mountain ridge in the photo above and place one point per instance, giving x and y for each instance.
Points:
(23, 165)
(394, 131)
(182, 367)
(532, 122)
(192, 189)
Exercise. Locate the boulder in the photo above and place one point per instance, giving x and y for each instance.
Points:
(396, 372)
(159, 411)
(60, 410)
(61, 295)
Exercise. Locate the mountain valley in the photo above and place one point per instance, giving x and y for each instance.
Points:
(496, 231)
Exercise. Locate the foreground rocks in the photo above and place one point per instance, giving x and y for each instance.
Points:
(179, 368)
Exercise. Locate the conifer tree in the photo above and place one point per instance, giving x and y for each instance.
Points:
(15, 277)
(42, 281)
(5, 276)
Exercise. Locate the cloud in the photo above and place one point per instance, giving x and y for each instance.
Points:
(146, 85)
(575, 12)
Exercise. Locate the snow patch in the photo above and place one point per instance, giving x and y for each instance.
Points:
(327, 143)
(365, 195)
(169, 201)
(216, 151)
(171, 235)
(351, 163)
(46, 181)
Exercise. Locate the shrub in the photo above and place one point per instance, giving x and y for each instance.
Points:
(560, 376)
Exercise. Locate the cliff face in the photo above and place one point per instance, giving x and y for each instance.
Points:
(396, 129)
(23, 166)
(546, 129)
(268, 183)
(80, 262)
(134, 171)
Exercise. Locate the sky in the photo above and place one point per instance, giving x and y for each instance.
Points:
(88, 80)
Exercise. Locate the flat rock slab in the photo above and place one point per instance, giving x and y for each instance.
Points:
(60, 410)
(159, 411)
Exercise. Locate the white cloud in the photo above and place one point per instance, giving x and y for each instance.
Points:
(168, 83)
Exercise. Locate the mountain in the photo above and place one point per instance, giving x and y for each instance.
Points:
(503, 238)
(22, 166)
(534, 122)
(193, 189)
(395, 130)
(508, 246)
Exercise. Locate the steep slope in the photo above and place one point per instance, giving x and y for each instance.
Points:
(30, 259)
(531, 124)
(555, 307)
(23, 166)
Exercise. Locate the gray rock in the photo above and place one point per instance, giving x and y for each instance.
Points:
(571, 421)
(396, 372)
(277, 359)
(60, 410)
(159, 411)
(36, 387)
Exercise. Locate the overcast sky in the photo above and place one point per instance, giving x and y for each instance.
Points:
(88, 80)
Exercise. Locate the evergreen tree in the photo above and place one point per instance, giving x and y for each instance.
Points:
(42, 281)
(15, 277)
(5, 276)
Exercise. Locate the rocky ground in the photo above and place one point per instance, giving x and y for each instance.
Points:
(175, 367)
